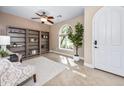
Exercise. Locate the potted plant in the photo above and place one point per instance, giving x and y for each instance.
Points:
(76, 38)
(3, 53)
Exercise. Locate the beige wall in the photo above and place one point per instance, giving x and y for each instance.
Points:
(54, 31)
(89, 13)
(11, 20)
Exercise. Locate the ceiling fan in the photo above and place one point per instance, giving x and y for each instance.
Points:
(44, 18)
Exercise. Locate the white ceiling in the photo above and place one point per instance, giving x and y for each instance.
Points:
(67, 12)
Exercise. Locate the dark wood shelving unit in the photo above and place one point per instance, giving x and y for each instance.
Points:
(29, 43)
(44, 42)
(33, 43)
(17, 40)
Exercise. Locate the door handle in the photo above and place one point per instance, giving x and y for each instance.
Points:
(95, 42)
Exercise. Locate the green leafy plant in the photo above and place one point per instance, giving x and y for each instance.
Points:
(76, 37)
(3, 53)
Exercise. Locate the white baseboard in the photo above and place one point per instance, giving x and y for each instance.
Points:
(64, 54)
(88, 65)
(60, 53)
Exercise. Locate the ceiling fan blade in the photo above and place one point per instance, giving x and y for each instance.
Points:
(50, 17)
(35, 18)
(38, 14)
(50, 21)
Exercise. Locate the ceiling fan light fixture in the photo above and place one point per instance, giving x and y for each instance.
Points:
(43, 19)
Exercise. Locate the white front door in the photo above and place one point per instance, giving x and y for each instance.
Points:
(108, 40)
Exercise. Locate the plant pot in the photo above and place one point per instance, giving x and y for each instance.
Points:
(76, 57)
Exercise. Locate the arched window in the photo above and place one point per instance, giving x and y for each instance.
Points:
(64, 42)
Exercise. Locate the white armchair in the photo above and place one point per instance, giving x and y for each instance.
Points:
(12, 74)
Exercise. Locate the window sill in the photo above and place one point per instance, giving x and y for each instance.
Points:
(66, 49)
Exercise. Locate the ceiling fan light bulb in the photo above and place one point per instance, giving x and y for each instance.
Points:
(43, 19)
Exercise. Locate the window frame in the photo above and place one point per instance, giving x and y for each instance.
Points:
(60, 34)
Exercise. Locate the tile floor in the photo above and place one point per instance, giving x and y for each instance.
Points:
(76, 74)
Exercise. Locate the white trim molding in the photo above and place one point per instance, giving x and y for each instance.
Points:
(64, 54)
(88, 65)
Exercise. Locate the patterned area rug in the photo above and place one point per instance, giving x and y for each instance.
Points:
(46, 69)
